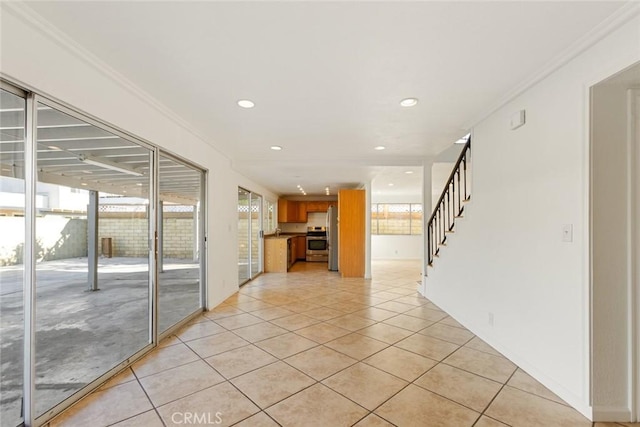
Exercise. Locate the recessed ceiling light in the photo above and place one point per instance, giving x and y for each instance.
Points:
(408, 172)
(391, 184)
(245, 103)
(83, 183)
(298, 186)
(409, 102)
(276, 147)
(379, 147)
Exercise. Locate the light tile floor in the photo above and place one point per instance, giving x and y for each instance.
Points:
(308, 348)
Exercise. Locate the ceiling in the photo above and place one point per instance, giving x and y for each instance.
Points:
(76, 154)
(327, 77)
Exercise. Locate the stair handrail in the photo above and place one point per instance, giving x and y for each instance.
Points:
(442, 220)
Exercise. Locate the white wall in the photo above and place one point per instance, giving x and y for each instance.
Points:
(440, 172)
(41, 58)
(396, 247)
(507, 256)
(397, 198)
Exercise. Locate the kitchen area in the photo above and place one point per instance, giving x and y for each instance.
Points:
(308, 232)
(305, 233)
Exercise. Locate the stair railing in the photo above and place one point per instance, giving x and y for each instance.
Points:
(449, 206)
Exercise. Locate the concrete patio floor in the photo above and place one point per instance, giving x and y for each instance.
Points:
(82, 334)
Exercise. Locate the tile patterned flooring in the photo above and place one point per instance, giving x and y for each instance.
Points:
(308, 348)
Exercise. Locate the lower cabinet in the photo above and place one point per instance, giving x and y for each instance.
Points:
(293, 251)
(276, 254)
(280, 253)
(302, 247)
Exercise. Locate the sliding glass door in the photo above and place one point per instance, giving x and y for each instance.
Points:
(249, 235)
(92, 253)
(180, 241)
(12, 244)
(102, 249)
(256, 234)
(244, 231)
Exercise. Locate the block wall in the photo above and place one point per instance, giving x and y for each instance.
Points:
(57, 237)
(130, 234)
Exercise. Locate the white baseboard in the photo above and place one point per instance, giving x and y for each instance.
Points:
(611, 414)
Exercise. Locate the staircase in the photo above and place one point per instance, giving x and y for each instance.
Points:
(450, 205)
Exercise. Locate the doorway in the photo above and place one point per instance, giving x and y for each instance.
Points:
(615, 298)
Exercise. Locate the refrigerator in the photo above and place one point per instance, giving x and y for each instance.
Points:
(332, 237)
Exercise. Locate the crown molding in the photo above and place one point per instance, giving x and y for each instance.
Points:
(630, 10)
(36, 21)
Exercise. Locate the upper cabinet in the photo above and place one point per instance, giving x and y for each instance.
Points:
(317, 206)
(302, 211)
(291, 211)
(297, 211)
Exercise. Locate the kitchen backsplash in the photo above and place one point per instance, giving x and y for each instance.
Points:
(314, 219)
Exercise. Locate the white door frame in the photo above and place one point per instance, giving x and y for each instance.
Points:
(633, 138)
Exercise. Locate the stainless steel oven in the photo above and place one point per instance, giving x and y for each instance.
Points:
(317, 246)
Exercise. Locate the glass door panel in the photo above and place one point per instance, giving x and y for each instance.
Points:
(12, 242)
(180, 237)
(256, 239)
(244, 225)
(92, 253)
(268, 223)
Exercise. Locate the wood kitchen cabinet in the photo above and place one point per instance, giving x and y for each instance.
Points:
(280, 253)
(317, 206)
(285, 211)
(293, 251)
(351, 232)
(302, 247)
(292, 211)
(297, 211)
(276, 255)
(302, 212)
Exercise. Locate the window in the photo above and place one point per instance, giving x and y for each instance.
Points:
(396, 218)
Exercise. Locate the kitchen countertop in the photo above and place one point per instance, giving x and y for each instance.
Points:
(285, 235)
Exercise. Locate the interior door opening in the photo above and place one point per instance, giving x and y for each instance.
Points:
(614, 235)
